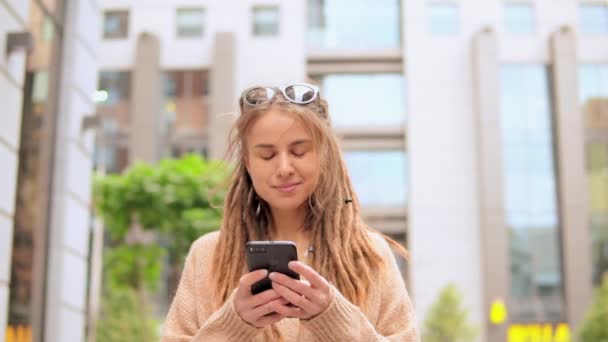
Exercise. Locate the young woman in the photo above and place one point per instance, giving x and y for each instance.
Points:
(290, 182)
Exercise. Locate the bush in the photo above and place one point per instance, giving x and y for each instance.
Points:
(447, 321)
(125, 318)
(178, 201)
(595, 326)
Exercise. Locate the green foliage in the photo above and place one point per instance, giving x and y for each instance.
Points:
(124, 318)
(595, 326)
(138, 266)
(178, 200)
(447, 321)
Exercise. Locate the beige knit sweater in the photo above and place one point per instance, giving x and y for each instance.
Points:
(389, 315)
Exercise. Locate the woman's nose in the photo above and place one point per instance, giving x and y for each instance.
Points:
(285, 166)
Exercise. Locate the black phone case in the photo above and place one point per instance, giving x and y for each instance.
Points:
(273, 256)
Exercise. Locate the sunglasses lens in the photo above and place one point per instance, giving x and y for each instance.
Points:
(257, 96)
(300, 94)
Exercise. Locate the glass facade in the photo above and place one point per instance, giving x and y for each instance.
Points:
(594, 101)
(530, 194)
(354, 24)
(266, 20)
(379, 177)
(28, 259)
(443, 19)
(593, 18)
(190, 22)
(365, 100)
(519, 18)
(113, 106)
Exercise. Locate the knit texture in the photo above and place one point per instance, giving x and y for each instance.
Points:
(388, 313)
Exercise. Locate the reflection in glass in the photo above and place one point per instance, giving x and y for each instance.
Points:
(519, 18)
(379, 177)
(530, 194)
(266, 21)
(28, 250)
(354, 24)
(443, 19)
(594, 100)
(593, 18)
(190, 22)
(364, 100)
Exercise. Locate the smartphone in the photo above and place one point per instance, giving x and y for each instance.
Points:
(273, 256)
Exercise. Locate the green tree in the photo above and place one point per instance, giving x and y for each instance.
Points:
(177, 201)
(595, 326)
(447, 320)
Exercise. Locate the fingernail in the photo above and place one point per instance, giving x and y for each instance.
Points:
(264, 273)
(272, 275)
(291, 264)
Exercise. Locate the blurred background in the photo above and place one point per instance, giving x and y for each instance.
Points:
(475, 132)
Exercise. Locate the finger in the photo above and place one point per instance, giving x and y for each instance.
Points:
(290, 311)
(261, 298)
(268, 319)
(300, 286)
(316, 280)
(265, 309)
(294, 298)
(249, 279)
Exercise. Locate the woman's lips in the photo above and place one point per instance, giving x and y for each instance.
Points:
(287, 188)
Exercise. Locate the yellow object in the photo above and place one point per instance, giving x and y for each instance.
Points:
(539, 333)
(498, 312)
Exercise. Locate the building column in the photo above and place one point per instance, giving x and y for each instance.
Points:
(71, 166)
(146, 101)
(223, 99)
(572, 177)
(494, 237)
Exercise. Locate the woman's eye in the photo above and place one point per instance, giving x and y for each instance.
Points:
(267, 157)
(298, 153)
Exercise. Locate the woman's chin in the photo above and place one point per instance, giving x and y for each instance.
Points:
(285, 204)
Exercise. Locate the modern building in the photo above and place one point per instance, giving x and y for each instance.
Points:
(476, 132)
(48, 74)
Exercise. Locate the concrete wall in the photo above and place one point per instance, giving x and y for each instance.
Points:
(267, 59)
(13, 17)
(70, 201)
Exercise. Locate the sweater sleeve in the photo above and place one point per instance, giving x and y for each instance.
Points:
(344, 321)
(182, 322)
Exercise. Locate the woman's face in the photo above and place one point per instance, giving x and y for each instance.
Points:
(281, 160)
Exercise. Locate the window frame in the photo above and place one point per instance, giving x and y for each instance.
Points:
(124, 17)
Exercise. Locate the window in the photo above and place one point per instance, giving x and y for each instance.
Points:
(594, 18)
(266, 21)
(531, 194)
(114, 86)
(365, 100)
(354, 24)
(379, 177)
(190, 22)
(443, 19)
(116, 24)
(594, 101)
(185, 110)
(519, 18)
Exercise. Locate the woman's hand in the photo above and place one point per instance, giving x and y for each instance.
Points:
(261, 309)
(310, 298)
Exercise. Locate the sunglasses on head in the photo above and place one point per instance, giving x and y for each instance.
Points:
(301, 93)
